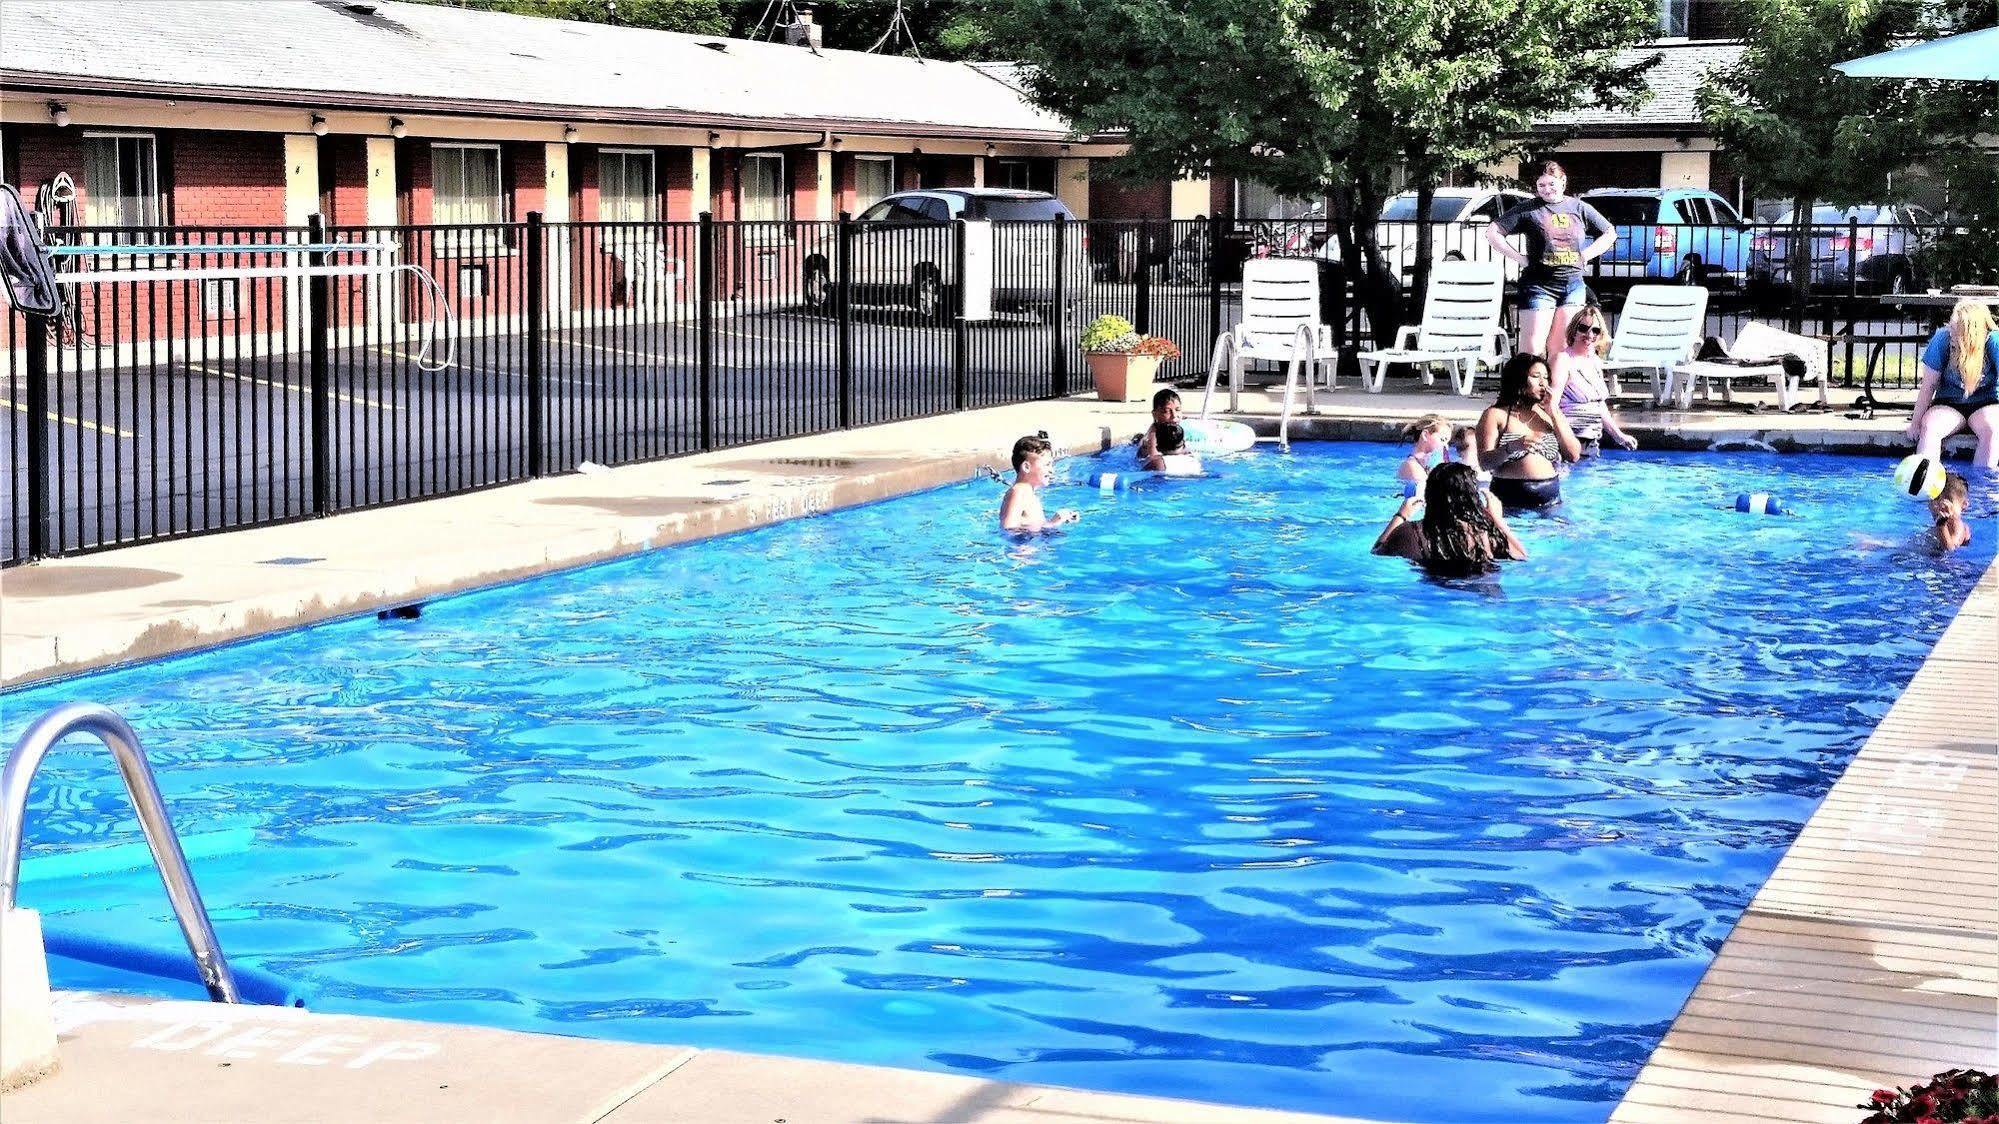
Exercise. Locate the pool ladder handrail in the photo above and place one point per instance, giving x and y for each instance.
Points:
(117, 736)
(1304, 349)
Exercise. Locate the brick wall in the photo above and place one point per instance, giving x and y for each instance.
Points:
(1122, 199)
(224, 179)
(343, 177)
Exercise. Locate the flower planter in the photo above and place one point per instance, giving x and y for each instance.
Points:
(1123, 378)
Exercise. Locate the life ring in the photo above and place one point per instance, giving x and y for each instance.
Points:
(1219, 436)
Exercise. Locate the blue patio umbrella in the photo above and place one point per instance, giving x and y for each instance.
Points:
(1970, 57)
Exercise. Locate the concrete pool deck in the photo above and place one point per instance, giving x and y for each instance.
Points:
(1865, 961)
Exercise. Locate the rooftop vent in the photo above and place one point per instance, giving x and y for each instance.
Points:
(360, 7)
(802, 31)
(716, 45)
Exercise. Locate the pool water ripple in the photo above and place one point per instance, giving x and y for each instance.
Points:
(1197, 799)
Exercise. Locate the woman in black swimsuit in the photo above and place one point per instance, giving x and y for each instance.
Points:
(1460, 532)
(1523, 439)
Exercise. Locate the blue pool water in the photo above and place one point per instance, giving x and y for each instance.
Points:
(1198, 799)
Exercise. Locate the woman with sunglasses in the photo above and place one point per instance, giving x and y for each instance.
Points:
(1579, 388)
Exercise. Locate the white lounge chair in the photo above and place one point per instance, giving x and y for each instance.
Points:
(1460, 329)
(1280, 323)
(1659, 329)
(1754, 342)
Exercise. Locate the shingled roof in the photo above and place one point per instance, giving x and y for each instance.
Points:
(418, 57)
(1673, 84)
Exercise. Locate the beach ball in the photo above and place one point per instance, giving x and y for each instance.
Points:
(1919, 477)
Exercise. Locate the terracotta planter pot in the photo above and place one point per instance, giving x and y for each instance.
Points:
(1124, 378)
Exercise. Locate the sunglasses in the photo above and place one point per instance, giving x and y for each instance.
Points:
(1589, 329)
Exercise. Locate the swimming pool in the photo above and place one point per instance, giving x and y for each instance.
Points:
(1197, 800)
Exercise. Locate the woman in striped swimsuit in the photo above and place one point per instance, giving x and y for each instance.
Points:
(1523, 439)
(1579, 387)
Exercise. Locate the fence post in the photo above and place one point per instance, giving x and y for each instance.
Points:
(961, 390)
(1214, 281)
(843, 307)
(705, 319)
(38, 328)
(1141, 312)
(316, 329)
(1852, 291)
(1058, 314)
(537, 388)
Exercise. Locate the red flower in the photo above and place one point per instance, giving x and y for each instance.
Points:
(1883, 1096)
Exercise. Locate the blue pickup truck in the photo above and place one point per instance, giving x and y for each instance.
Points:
(1683, 234)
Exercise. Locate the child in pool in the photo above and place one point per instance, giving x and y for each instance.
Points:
(1948, 511)
(1033, 467)
(1428, 435)
(1165, 411)
(1172, 454)
(1464, 450)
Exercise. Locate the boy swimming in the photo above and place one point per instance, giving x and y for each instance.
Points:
(1948, 511)
(1033, 467)
(1165, 411)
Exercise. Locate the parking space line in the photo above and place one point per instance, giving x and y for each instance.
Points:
(107, 430)
(293, 387)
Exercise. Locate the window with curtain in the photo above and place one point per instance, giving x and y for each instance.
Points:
(465, 184)
(764, 195)
(874, 180)
(1674, 18)
(121, 180)
(625, 188)
(1255, 202)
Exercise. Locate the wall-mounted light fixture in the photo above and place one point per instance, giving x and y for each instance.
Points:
(397, 129)
(318, 125)
(991, 148)
(59, 113)
(569, 134)
(713, 137)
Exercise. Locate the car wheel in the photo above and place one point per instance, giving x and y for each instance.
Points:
(1693, 271)
(927, 294)
(818, 285)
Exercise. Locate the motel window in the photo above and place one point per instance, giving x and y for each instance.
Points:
(1255, 202)
(625, 185)
(1007, 173)
(874, 179)
(465, 184)
(764, 194)
(121, 179)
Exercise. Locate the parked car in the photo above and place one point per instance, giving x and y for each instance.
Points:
(904, 252)
(1686, 234)
(1882, 244)
(1458, 218)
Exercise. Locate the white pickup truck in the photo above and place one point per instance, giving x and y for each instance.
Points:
(905, 252)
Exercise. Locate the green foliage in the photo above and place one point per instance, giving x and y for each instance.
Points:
(944, 29)
(695, 17)
(1799, 130)
(1110, 334)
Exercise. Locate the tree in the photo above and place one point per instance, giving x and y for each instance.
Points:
(1314, 96)
(944, 29)
(1801, 131)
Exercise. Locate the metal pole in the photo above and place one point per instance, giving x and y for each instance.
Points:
(961, 343)
(322, 392)
(117, 736)
(1059, 359)
(1141, 312)
(1214, 278)
(843, 307)
(705, 318)
(1852, 291)
(38, 329)
(537, 390)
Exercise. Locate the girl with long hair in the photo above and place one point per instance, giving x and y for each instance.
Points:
(1960, 384)
(1562, 234)
(1461, 532)
(1523, 440)
(1580, 390)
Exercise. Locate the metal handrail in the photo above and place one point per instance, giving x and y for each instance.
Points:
(118, 737)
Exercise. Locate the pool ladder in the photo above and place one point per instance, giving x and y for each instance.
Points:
(118, 737)
(1304, 350)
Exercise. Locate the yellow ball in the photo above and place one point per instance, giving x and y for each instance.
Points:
(1919, 477)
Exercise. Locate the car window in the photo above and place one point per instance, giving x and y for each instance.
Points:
(1723, 213)
(1625, 210)
(1487, 210)
(1443, 208)
(879, 212)
(1691, 211)
(934, 209)
(1016, 208)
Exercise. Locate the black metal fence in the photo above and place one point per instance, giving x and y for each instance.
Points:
(220, 377)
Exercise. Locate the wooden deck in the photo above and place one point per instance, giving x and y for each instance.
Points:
(1871, 957)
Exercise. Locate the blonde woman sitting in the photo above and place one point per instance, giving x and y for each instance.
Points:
(1960, 384)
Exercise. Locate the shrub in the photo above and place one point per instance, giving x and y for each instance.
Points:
(1958, 1096)
(1114, 335)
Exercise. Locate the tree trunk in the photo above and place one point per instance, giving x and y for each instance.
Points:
(1380, 292)
(1801, 261)
(1419, 289)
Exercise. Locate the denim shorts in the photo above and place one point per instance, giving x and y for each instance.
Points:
(1552, 292)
